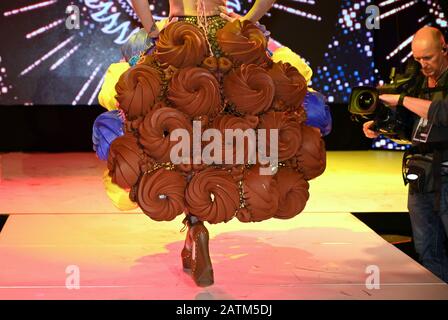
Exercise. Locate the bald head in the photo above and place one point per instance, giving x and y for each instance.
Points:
(429, 49)
(429, 37)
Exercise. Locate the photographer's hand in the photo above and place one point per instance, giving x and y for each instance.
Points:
(368, 132)
(391, 100)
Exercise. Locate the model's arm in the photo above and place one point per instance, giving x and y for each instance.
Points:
(258, 10)
(141, 7)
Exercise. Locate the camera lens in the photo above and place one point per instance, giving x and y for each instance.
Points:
(366, 100)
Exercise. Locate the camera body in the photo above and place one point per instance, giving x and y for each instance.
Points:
(395, 123)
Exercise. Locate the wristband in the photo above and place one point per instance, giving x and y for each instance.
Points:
(401, 99)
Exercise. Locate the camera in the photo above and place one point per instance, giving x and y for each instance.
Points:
(395, 123)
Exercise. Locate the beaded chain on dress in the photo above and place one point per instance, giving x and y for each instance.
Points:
(209, 25)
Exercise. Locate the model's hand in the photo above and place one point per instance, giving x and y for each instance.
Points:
(143, 11)
(228, 15)
(232, 16)
(390, 99)
(368, 132)
(154, 31)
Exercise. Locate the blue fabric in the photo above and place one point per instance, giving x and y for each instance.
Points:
(318, 112)
(107, 127)
(430, 230)
(134, 59)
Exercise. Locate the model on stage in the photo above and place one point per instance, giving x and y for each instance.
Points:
(207, 69)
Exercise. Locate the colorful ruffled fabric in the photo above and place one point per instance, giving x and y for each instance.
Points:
(118, 196)
(106, 96)
(318, 112)
(107, 127)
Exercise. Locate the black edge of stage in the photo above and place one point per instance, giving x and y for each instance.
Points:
(53, 128)
(394, 227)
(47, 128)
(396, 222)
(178, 309)
(3, 218)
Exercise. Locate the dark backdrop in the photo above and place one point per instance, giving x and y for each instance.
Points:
(57, 127)
(65, 128)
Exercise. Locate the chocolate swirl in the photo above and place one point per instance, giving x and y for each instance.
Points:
(261, 196)
(161, 194)
(243, 42)
(155, 132)
(223, 122)
(311, 157)
(195, 91)
(181, 44)
(226, 121)
(137, 90)
(125, 160)
(290, 86)
(289, 132)
(188, 169)
(250, 88)
(293, 190)
(212, 196)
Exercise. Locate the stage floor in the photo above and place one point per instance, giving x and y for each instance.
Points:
(362, 181)
(60, 220)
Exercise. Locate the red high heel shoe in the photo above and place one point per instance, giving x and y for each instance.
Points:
(195, 254)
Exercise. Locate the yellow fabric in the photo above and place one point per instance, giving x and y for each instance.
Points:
(162, 24)
(106, 97)
(118, 196)
(285, 54)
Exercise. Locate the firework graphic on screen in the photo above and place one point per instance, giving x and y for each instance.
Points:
(44, 62)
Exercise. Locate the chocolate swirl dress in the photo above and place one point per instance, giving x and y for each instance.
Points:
(222, 76)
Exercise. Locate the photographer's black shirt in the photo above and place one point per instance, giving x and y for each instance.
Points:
(438, 111)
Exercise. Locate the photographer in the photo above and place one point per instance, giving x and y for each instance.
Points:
(428, 197)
